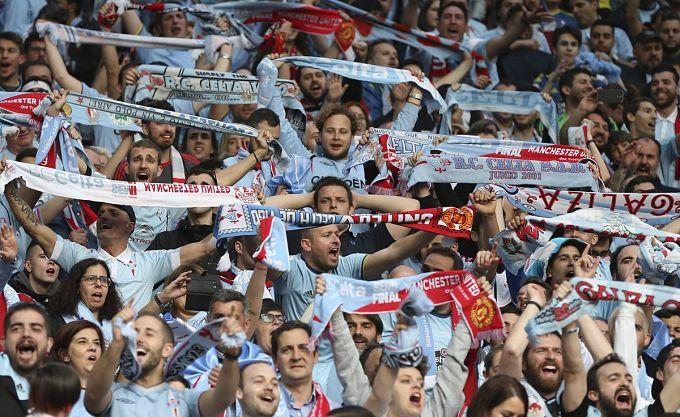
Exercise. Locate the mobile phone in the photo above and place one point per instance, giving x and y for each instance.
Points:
(610, 96)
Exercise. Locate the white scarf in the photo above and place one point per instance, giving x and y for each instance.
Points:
(84, 313)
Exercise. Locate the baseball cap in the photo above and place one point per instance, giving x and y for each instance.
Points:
(647, 36)
(252, 353)
(128, 209)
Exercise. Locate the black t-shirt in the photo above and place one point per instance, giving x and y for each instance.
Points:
(653, 410)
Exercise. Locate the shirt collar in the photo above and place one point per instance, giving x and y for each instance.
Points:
(671, 117)
(124, 257)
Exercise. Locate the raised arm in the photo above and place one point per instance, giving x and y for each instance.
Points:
(517, 341)
(45, 237)
(516, 26)
(59, 70)
(260, 152)
(376, 263)
(98, 392)
(126, 141)
(574, 373)
(195, 252)
(254, 293)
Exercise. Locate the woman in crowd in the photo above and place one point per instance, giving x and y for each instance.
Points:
(87, 293)
(78, 344)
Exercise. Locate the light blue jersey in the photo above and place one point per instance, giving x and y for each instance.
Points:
(132, 400)
(170, 57)
(152, 221)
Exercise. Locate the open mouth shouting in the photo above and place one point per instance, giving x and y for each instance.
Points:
(334, 253)
(52, 271)
(143, 175)
(623, 398)
(415, 399)
(26, 350)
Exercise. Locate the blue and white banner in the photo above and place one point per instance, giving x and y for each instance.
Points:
(515, 102)
(373, 74)
(273, 251)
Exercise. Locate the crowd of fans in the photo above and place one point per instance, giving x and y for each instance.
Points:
(64, 287)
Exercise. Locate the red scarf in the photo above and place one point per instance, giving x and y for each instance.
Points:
(482, 317)
(321, 406)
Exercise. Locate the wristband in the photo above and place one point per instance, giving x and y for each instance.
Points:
(540, 307)
(230, 357)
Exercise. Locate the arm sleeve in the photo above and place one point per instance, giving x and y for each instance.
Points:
(447, 395)
(68, 253)
(354, 382)
(161, 263)
(407, 117)
(289, 140)
(6, 271)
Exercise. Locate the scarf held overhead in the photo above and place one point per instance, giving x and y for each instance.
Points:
(652, 208)
(372, 74)
(515, 102)
(76, 186)
(243, 219)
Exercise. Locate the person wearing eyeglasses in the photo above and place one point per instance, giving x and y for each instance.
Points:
(87, 293)
(271, 319)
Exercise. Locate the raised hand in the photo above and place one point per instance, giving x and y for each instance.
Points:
(335, 88)
(586, 266)
(484, 201)
(9, 248)
(127, 314)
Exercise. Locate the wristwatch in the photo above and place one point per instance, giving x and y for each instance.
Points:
(416, 95)
(158, 301)
(225, 56)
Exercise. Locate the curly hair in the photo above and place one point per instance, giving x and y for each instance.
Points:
(335, 110)
(65, 301)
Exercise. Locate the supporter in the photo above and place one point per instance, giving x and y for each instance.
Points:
(34, 48)
(154, 346)
(668, 27)
(98, 156)
(173, 297)
(36, 70)
(648, 53)
(201, 144)
(258, 392)
(26, 343)
(640, 116)
(87, 293)
(576, 89)
(492, 361)
(54, 390)
(376, 96)
(79, 344)
(271, 318)
(11, 58)
(586, 13)
(672, 321)
(499, 394)
(364, 328)
(39, 276)
(313, 85)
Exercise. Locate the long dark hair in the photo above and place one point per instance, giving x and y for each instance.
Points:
(495, 391)
(65, 335)
(65, 301)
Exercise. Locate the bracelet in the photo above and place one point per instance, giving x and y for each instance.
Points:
(572, 331)
(157, 300)
(540, 307)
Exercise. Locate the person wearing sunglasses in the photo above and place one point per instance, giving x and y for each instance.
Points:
(87, 293)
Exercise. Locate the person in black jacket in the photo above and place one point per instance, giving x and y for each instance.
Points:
(39, 279)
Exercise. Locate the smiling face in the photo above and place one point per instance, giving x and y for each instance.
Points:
(543, 364)
(26, 342)
(336, 136)
(199, 144)
(83, 352)
(408, 393)
(152, 350)
(616, 393)
(162, 134)
(452, 24)
(664, 89)
(93, 295)
(293, 360)
(600, 130)
(144, 165)
(39, 267)
(321, 247)
(260, 394)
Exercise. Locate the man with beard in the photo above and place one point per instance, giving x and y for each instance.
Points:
(381, 52)
(258, 391)
(312, 84)
(25, 344)
(149, 393)
(364, 328)
(523, 127)
(538, 367)
(648, 53)
(607, 386)
(586, 13)
(665, 93)
(576, 89)
(173, 163)
(669, 31)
